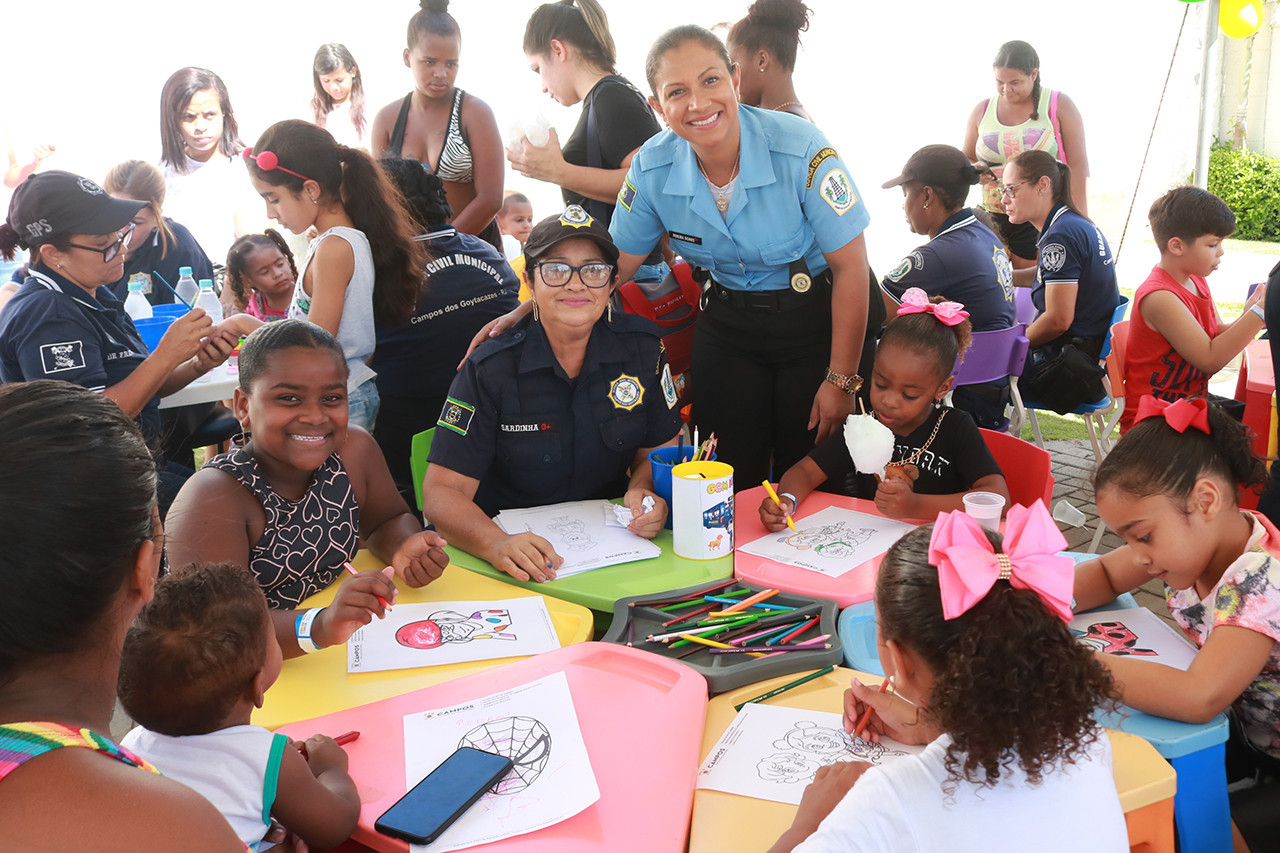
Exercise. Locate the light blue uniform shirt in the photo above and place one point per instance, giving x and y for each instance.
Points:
(793, 198)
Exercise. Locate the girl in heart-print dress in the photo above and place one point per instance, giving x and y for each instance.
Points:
(293, 505)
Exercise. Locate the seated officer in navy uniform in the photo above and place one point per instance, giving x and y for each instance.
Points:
(63, 323)
(565, 405)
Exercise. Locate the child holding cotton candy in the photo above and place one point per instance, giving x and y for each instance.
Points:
(937, 453)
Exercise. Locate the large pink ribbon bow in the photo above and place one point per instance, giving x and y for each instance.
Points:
(1190, 412)
(968, 566)
(916, 301)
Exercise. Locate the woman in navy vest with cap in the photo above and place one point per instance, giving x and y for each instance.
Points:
(564, 406)
(63, 323)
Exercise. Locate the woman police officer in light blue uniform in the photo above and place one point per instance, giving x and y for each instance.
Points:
(761, 201)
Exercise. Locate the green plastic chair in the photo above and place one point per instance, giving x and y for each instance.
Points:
(418, 451)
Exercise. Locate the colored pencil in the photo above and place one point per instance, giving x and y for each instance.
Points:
(689, 596)
(780, 608)
(768, 487)
(381, 600)
(866, 715)
(747, 602)
(631, 630)
(688, 616)
(797, 632)
(784, 688)
(181, 301)
(773, 650)
(346, 738)
(712, 643)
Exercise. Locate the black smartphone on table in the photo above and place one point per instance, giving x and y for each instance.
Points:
(432, 805)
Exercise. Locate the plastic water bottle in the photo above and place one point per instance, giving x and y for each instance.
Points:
(187, 287)
(208, 300)
(137, 306)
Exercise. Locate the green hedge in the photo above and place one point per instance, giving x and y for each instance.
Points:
(1249, 182)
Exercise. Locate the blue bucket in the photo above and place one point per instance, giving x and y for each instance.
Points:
(174, 309)
(153, 330)
(662, 460)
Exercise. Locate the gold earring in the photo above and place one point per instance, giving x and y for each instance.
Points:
(536, 318)
(608, 313)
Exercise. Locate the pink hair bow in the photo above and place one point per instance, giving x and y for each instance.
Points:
(916, 301)
(1188, 412)
(968, 565)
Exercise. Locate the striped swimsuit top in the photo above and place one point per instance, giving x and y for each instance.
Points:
(454, 163)
(21, 742)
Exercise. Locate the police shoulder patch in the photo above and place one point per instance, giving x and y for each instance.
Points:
(837, 192)
(66, 355)
(900, 270)
(143, 277)
(1053, 256)
(456, 415)
(627, 194)
(818, 159)
(669, 387)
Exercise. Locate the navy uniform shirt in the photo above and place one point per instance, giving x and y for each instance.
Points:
(965, 262)
(793, 198)
(52, 329)
(469, 283)
(532, 436)
(144, 258)
(1073, 251)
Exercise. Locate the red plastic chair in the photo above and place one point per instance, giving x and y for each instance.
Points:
(1028, 470)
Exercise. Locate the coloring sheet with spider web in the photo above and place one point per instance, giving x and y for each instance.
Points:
(772, 753)
(536, 726)
(831, 541)
(584, 533)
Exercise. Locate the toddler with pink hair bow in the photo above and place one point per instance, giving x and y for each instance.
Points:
(972, 627)
(938, 454)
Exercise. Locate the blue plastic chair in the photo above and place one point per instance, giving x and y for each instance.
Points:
(1201, 810)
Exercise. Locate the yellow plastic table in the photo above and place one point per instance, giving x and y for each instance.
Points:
(318, 683)
(723, 821)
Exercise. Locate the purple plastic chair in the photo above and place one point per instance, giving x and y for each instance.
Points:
(1024, 309)
(993, 356)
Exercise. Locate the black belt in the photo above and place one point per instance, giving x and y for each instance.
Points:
(771, 300)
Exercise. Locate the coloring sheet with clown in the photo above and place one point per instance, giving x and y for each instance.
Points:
(439, 632)
(1133, 632)
(832, 541)
(771, 752)
(585, 533)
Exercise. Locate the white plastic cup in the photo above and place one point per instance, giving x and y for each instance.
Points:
(986, 507)
(1067, 514)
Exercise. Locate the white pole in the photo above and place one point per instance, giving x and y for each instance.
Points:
(1210, 88)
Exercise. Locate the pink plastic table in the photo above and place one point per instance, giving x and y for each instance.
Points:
(850, 588)
(641, 718)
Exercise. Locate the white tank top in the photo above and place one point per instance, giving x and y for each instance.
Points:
(355, 329)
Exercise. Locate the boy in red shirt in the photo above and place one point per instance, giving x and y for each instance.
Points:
(1176, 339)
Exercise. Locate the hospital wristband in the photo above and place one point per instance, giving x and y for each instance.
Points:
(794, 503)
(302, 629)
(1257, 309)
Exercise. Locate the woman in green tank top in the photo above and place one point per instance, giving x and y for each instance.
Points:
(1024, 117)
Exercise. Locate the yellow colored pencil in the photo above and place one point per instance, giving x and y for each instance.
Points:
(769, 488)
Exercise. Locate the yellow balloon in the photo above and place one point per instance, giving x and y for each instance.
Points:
(1240, 18)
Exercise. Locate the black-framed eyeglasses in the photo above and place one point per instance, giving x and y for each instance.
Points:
(558, 273)
(110, 252)
(1006, 191)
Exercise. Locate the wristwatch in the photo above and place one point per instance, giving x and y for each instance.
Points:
(848, 384)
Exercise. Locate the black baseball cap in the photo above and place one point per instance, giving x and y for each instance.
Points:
(574, 222)
(49, 204)
(936, 165)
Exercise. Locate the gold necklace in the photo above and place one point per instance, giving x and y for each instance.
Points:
(722, 203)
(915, 457)
(780, 107)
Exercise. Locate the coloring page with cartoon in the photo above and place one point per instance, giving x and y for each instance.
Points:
(771, 753)
(832, 541)
(440, 632)
(1133, 632)
(585, 533)
(536, 726)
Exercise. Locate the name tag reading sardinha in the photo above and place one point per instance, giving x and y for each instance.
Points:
(586, 534)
